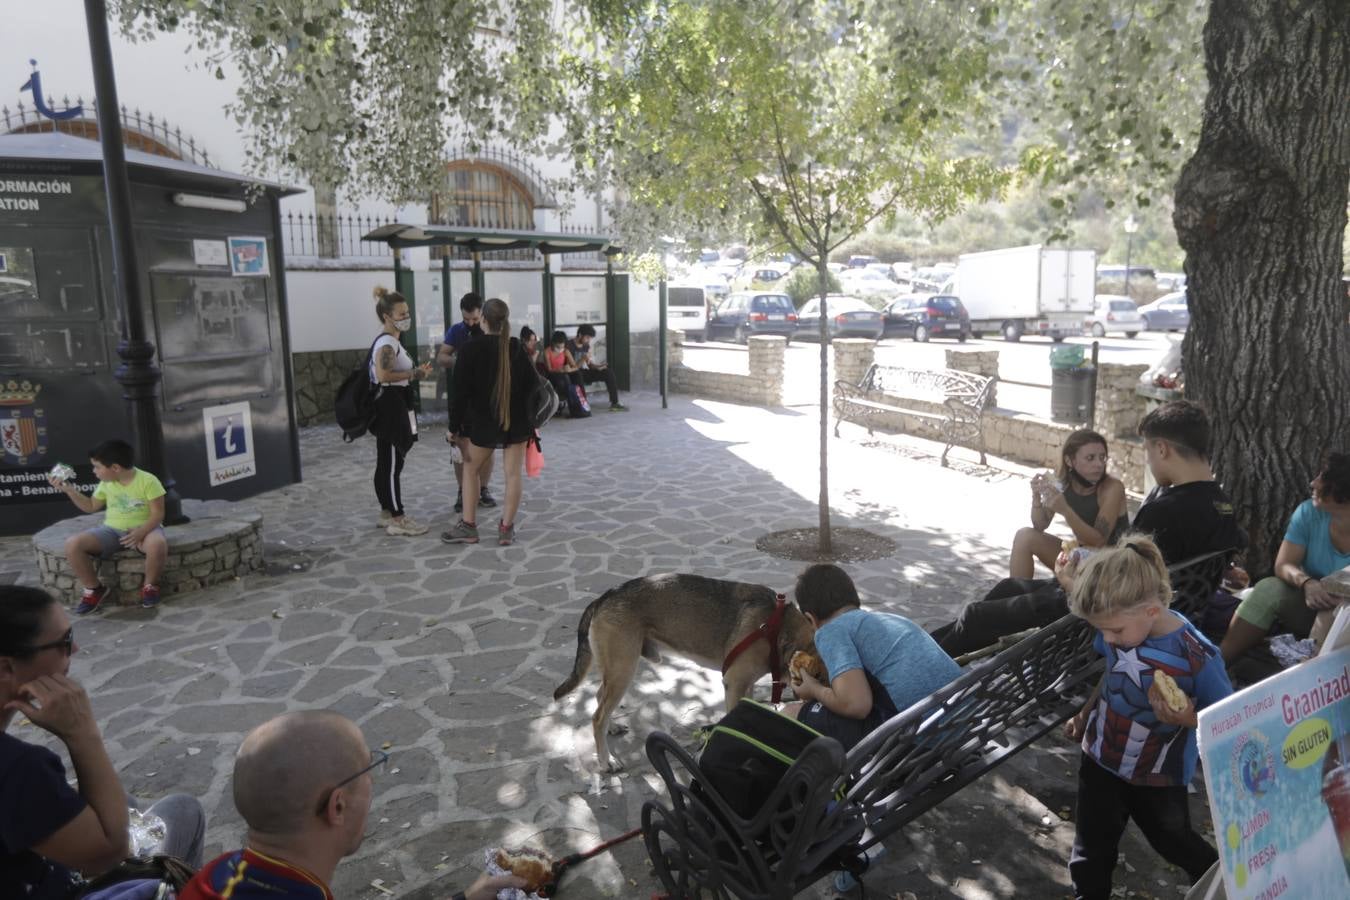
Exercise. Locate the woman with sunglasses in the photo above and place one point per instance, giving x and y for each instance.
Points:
(48, 829)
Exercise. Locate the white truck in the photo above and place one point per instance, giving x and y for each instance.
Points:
(1034, 290)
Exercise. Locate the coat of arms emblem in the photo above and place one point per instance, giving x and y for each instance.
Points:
(23, 426)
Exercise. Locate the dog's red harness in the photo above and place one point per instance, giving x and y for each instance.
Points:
(769, 632)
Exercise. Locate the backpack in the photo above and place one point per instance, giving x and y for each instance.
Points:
(354, 405)
(156, 877)
(749, 751)
(542, 401)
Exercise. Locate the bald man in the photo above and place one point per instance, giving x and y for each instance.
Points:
(303, 784)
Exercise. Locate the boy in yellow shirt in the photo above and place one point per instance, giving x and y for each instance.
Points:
(135, 502)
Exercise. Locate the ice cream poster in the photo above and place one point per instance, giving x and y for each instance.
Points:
(248, 256)
(1276, 758)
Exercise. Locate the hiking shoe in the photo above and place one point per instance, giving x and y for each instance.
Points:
(485, 499)
(506, 534)
(385, 518)
(461, 533)
(405, 526)
(90, 600)
(459, 502)
(617, 407)
(149, 596)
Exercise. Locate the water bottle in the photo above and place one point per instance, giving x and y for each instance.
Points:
(147, 833)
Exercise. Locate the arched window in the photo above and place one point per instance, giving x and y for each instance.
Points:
(478, 194)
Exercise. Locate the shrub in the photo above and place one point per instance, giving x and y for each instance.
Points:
(804, 283)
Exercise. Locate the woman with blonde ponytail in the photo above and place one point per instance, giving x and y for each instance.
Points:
(488, 406)
(395, 424)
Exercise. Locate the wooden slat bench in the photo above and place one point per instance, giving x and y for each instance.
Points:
(953, 401)
(700, 848)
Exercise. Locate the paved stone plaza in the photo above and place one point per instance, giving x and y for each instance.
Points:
(449, 656)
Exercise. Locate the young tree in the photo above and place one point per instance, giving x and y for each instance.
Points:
(793, 123)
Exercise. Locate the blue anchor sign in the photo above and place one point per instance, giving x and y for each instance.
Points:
(34, 84)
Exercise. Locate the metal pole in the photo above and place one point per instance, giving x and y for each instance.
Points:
(1092, 394)
(661, 337)
(1129, 245)
(138, 373)
(445, 289)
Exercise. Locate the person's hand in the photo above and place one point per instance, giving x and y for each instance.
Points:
(1066, 568)
(806, 686)
(1075, 727)
(487, 886)
(1168, 715)
(1052, 499)
(1317, 596)
(422, 371)
(132, 539)
(57, 704)
(1235, 578)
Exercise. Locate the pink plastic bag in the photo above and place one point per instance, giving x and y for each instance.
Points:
(534, 457)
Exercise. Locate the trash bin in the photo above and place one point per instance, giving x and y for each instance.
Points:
(1071, 394)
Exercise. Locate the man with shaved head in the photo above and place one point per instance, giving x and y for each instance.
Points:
(303, 784)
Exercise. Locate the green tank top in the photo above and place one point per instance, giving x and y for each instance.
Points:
(1086, 506)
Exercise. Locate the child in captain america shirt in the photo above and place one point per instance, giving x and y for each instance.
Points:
(1138, 754)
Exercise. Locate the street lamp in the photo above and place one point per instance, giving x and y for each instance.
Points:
(1131, 226)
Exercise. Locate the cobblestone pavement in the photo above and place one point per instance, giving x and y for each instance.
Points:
(449, 655)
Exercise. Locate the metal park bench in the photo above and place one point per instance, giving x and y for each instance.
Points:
(914, 761)
(952, 401)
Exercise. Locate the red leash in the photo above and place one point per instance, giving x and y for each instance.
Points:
(768, 631)
(567, 862)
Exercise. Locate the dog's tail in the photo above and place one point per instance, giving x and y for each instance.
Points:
(583, 661)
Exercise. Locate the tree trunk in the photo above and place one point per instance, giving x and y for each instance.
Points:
(826, 541)
(1261, 214)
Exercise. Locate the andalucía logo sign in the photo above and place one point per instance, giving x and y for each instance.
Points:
(23, 427)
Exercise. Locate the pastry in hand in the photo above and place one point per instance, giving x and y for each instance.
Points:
(808, 662)
(1167, 686)
(535, 866)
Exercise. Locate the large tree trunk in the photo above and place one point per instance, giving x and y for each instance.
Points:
(1261, 213)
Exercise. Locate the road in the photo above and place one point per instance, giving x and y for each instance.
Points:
(1027, 360)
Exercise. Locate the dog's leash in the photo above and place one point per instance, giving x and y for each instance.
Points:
(560, 866)
(768, 631)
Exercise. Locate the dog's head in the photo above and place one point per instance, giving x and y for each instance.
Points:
(796, 634)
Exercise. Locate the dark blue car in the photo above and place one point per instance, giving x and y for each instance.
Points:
(748, 313)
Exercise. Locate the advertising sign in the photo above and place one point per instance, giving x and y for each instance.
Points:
(229, 442)
(248, 256)
(1276, 758)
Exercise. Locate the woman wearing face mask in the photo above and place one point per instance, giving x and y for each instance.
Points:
(395, 425)
(1091, 502)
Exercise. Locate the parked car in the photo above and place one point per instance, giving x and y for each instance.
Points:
(868, 283)
(1168, 313)
(1170, 281)
(902, 272)
(687, 309)
(858, 261)
(1113, 312)
(747, 313)
(922, 317)
(836, 268)
(761, 277)
(849, 317)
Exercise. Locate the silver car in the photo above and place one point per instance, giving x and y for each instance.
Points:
(1168, 313)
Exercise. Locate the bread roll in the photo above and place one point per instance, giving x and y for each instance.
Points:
(1171, 692)
(535, 866)
(808, 662)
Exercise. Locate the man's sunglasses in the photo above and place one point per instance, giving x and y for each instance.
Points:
(66, 643)
(378, 760)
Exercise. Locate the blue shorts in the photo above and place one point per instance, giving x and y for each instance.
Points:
(110, 539)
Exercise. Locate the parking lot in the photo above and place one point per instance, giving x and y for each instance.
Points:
(1026, 360)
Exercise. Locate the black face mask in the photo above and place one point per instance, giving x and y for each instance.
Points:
(1080, 480)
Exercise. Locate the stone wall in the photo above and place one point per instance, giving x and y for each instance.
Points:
(977, 362)
(220, 543)
(1119, 408)
(852, 358)
(761, 386)
(317, 376)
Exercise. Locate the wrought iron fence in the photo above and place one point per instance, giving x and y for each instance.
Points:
(332, 237)
(141, 131)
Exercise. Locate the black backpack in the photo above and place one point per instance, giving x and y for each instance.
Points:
(354, 405)
(542, 401)
(749, 751)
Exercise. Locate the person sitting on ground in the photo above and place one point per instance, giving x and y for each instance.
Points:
(1091, 502)
(457, 336)
(134, 499)
(49, 828)
(592, 371)
(529, 342)
(303, 784)
(1188, 514)
(1138, 751)
(1316, 544)
(562, 372)
(879, 663)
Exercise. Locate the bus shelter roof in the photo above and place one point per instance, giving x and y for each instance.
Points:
(485, 240)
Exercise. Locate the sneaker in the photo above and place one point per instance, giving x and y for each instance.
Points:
(485, 499)
(617, 407)
(90, 600)
(459, 502)
(385, 518)
(149, 596)
(506, 534)
(461, 533)
(405, 526)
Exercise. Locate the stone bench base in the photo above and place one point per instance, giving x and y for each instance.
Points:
(222, 542)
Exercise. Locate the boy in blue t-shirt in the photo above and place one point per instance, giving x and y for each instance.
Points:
(1139, 754)
(879, 664)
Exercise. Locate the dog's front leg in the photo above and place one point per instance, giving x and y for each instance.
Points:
(737, 684)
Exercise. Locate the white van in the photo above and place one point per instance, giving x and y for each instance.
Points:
(687, 309)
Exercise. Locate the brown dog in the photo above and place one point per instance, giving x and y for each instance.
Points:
(699, 618)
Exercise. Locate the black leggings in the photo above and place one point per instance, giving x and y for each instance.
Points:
(388, 470)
